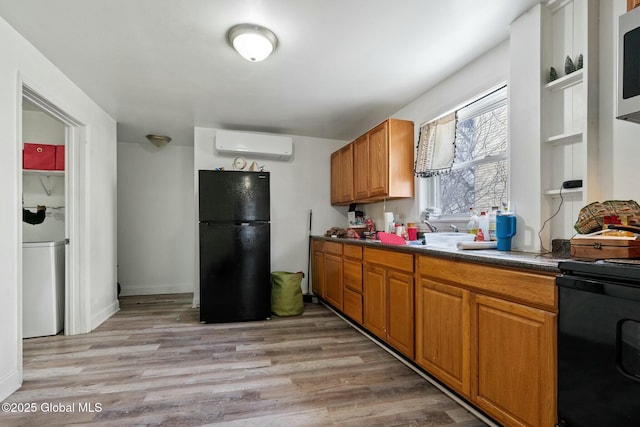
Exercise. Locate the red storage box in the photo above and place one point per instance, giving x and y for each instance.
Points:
(59, 157)
(39, 156)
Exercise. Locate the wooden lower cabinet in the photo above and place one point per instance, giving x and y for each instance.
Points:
(388, 296)
(442, 333)
(487, 332)
(317, 268)
(514, 352)
(352, 280)
(333, 274)
(400, 320)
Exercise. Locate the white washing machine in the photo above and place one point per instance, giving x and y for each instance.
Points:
(42, 288)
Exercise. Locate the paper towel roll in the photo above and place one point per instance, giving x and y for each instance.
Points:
(388, 222)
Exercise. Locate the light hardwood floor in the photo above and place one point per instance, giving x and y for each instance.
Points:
(153, 364)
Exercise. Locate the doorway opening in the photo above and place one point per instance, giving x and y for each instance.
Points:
(58, 240)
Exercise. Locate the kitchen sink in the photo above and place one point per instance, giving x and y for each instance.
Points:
(447, 240)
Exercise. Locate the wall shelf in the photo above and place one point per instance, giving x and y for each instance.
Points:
(42, 172)
(565, 82)
(565, 138)
(565, 192)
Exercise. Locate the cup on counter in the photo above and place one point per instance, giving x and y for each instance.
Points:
(413, 233)
(505, 230)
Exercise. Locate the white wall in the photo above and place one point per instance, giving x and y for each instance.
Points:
(297, 186)
(20, 61)
(487, 72)
(155, 219)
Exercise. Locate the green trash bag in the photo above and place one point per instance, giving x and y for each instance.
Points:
(286, 294)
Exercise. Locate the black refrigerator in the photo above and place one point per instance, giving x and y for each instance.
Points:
(235, 256)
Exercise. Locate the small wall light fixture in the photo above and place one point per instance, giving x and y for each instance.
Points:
(253, 42)
(159, 140)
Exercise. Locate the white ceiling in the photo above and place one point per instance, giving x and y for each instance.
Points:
(341, 66)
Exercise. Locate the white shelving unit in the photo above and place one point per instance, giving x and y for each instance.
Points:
(568, 112)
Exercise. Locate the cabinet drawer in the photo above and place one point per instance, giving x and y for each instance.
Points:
(537, 289)
(353, 251)
(352, 271)
(353, 305)
(317, 245)
(333, 248)
(395, 260)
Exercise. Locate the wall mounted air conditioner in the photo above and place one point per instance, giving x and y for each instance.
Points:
(253, 144)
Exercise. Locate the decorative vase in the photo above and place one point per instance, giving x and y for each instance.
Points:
(553, 74)
(569, 66)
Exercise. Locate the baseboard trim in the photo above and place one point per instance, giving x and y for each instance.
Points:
(10, 383)
(158, 289)
(104, 314)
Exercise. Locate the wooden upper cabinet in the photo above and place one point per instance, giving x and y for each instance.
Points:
(632, 4)
(382, 163)
(342, 176)
(379, 160)
(361, 171)
(335, 177)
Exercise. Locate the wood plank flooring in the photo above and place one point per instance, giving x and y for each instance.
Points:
(154, 364)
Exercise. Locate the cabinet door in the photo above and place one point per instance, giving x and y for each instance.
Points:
(400, 319)
(353, 305)
(375, 301)
(346, 174)
(513, 362)
(317, 274)
(442, 333)
(353, 274)
(361, 167)
(378, 161)
(333, 279)
(335, 178)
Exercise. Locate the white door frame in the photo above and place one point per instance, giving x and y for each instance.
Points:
(77, 296)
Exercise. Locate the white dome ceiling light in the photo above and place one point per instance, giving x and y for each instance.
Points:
(253, 42)
(159, 140)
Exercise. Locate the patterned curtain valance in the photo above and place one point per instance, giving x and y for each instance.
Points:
(436, 147)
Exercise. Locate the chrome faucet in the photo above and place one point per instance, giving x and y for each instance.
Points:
(432, 227)
(454, 228)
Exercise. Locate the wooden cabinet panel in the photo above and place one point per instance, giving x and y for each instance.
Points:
(352, 251)
(346, 174)
(342, 175)
(400, 321)
(531, 288)
(317, 268)
(333, 279)
(514, 362)
(395, 260)
(361, 167)
(375, 301)
(378, 161)
(353, 305)
(632, 4)
(352, 274)
(442, 333)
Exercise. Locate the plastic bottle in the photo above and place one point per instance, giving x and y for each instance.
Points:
(472, 225)
(483, 225)
(492, 224)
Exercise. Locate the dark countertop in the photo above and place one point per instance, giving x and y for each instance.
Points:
(513, 259)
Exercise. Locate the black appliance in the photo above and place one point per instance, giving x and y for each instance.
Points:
(235, 257)
(599, 344)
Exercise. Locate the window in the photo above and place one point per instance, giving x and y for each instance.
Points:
(480, 171)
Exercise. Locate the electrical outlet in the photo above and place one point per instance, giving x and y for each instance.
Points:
(575, 183)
